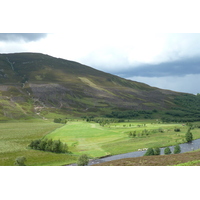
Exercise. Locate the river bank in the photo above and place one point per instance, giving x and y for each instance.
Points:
(185, 147)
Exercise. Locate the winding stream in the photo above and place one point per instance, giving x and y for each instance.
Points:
(186, 147)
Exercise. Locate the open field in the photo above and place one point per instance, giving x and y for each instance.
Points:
(85, 137)
(16, 136)
(97, 141)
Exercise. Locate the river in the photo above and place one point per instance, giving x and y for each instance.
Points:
(185, 147)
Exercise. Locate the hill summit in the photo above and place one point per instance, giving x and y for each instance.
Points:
(34, 84)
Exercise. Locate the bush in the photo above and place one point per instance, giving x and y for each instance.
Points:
(19, 161)
(177, 130)
(58, 120)
(83, 160)
(149, 152)
(167, 151)
(189, 136)
(156, 151)
(177, 149)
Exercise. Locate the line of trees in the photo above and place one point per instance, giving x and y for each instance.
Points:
(133, 134)
(50, 145)
(167, 151)
(132, 114)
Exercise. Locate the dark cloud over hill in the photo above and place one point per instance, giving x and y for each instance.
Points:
(174, 68)
(27, 37)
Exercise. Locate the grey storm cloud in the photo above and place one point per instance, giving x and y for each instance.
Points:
(27, 37)
(174, 68)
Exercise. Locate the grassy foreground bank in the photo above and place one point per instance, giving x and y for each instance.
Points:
(182, 159)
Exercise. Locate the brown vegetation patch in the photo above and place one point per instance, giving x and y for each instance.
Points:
(162, 160)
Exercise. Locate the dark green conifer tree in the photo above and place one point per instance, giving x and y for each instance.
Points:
(189, 136)
(177, 149)
(149, 152)
(167, 151)
(156, 151)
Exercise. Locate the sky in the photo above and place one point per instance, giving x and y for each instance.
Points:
(137, 41)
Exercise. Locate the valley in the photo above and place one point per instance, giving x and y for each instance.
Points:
(98, 114)
(84, 137)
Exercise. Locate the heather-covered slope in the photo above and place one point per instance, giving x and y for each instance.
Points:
(33, 84)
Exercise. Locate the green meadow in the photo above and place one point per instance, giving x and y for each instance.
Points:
(16, 136)
(85, 137)
(97, 141)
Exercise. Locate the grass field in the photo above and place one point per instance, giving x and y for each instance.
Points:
(84, 137)
(16, 136)
(97, 141)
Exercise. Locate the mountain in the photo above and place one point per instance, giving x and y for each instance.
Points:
(34, 84)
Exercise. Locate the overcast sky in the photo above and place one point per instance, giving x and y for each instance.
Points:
(118, 37)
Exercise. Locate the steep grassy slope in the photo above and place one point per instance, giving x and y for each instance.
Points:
(38, 84)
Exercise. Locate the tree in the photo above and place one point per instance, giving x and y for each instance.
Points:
(189, 136)
(19, 161)
(177, 149)
(83, 160)
(49, 145)
(156, 151)
(64, 148)
(57, 146)
(42, 145)
(167, 151)
(149, 152)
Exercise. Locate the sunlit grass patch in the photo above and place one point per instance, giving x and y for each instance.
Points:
(112, 139)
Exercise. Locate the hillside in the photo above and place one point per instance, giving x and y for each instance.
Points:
(33, 84)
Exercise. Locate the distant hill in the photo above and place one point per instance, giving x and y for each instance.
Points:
(34, 84)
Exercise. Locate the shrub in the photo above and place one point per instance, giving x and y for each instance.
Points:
(177, 149)
(177, 130)
(167, 151)
(19, 161)
(189, 136)
(149, 152)
(58, 120)
(83, 160)
(156, 151)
